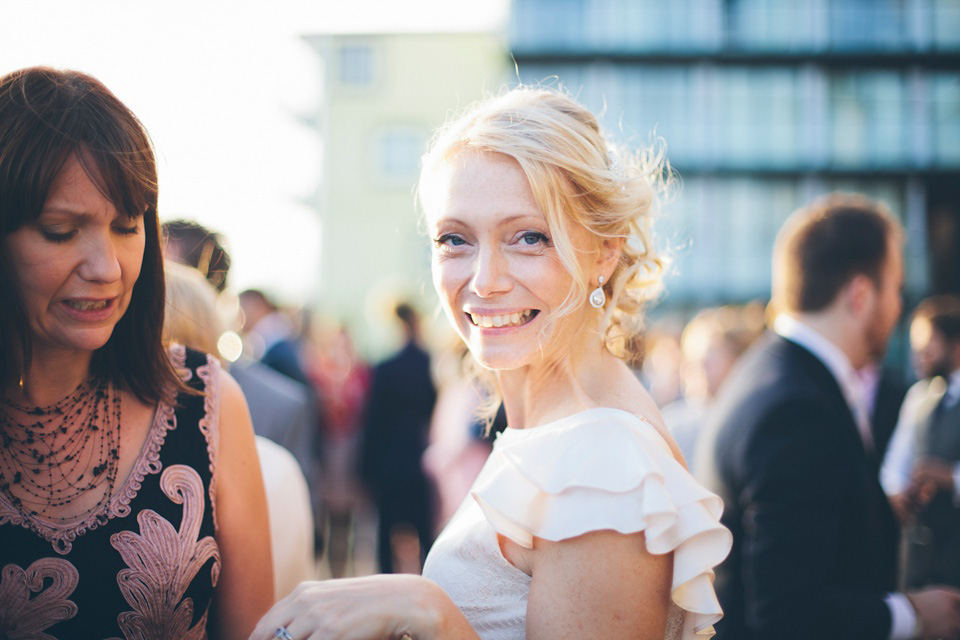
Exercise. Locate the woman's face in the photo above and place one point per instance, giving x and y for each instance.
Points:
(494, 262)
(76, 264)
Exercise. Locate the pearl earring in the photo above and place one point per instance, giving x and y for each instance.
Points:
(597, 297)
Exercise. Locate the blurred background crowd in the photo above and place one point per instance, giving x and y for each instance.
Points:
(317, 296)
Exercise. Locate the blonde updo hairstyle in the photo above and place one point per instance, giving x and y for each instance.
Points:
(577, 178)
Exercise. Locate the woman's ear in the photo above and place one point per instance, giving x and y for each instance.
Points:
(608, 256)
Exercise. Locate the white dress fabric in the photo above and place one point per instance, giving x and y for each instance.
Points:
(597, 469)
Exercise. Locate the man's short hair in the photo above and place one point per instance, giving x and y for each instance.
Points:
(824, 245)
(192, 244)
(943, 313)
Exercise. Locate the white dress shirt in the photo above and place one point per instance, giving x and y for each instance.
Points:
(837, 362)
(920, 401)
(904, 618)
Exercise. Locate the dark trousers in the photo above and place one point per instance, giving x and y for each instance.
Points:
(404, 505)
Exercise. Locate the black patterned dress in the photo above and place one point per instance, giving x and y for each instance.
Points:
(145, 569)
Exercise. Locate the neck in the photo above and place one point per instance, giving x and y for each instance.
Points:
(550, 390)
(51, 377)
(840, 331)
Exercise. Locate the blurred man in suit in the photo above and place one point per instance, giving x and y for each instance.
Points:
(921, 472)
(396, 426)
(789, 448)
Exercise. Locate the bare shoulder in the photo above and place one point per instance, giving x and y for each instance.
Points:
(628, 394)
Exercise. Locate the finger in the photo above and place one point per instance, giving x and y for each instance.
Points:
(310, 627)
(267, 627)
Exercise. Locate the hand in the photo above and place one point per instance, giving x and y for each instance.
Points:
(371, 608)
(938, 612)
(902, 506)
(930, 475)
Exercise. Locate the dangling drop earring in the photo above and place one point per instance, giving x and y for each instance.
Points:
(597, 297)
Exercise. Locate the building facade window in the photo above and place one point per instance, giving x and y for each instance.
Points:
(397, 151)
(357, 65)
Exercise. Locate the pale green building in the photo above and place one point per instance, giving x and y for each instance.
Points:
(382, 96)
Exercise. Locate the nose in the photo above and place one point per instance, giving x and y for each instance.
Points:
(100, 262)
(490, 273)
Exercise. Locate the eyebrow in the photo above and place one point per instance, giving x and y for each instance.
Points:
(513, 218)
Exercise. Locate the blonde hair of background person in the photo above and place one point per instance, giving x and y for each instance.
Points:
(710, 344)
(527, 207)
(192, 319)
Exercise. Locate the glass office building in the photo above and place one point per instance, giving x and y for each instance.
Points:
(764, 104)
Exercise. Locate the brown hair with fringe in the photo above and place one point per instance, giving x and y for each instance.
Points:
(47, 116)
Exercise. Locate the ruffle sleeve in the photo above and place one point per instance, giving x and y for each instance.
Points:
(607, 469)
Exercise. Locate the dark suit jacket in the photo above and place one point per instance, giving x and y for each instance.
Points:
(886, 410)
(815, 541)
(286, 412)
(397, 421)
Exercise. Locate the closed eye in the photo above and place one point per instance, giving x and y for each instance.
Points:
(128, 231)
(53, 236)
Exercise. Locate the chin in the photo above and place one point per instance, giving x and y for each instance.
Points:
(500, 360)
(88, 341)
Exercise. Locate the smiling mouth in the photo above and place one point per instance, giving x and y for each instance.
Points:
(87, 305)
(503, 320)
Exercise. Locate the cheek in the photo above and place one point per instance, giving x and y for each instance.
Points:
(132, 261)
(448, 279)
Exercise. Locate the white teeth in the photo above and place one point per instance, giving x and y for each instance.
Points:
(510, 319)
(87, 305)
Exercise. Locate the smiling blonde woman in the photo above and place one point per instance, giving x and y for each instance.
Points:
(584, 523)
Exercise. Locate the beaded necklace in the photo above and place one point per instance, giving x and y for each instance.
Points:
(51, 456)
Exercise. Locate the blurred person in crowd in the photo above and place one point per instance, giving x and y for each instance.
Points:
(282, 409)
(584, 521)
(271, 335)
(191, 319)
(395, 431)
(788, 446)
(127, 502)
(459, 445)
(659, 362)
(342, 380)
(710, 345)
(188, 242)
(921, 472)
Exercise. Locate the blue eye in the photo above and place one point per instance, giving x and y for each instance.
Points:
(450, 240)
(533, 238)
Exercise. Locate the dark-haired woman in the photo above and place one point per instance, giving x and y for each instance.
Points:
(130, 500)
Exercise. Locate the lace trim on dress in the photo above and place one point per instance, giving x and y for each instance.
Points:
(210, 424)
(61, 537)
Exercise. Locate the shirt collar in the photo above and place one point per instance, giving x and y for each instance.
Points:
(835, 360)
(953, 386)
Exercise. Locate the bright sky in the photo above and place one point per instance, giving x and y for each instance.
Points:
(220, 85)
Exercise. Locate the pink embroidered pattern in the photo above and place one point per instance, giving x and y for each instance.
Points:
(163, 562)
(210, 424)
(23, 617)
